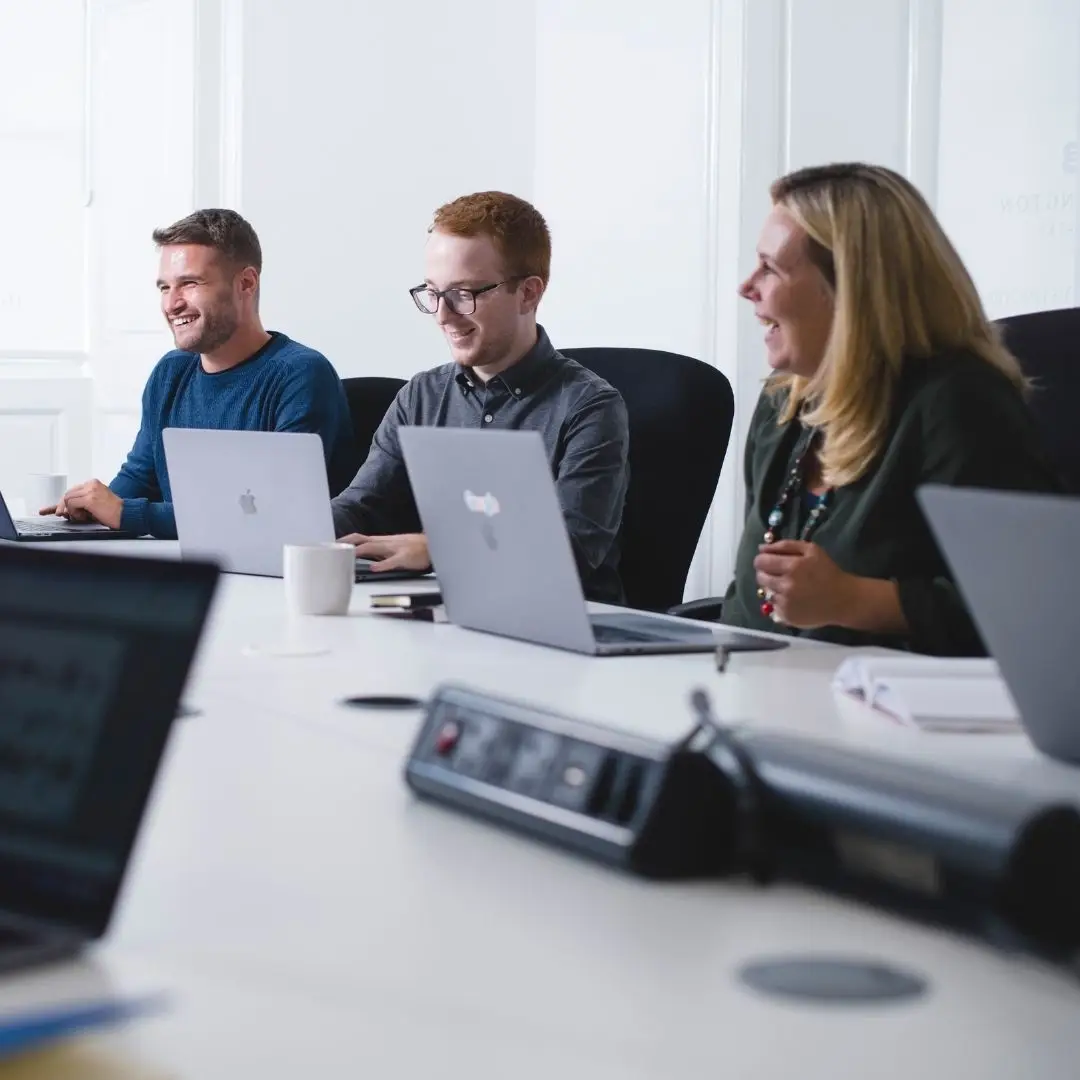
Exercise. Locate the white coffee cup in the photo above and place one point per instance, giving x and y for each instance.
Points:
(319, 578)
(42, 490)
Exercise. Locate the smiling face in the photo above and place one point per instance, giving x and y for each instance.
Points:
(503, 326)
(791, 297)
(203, 299)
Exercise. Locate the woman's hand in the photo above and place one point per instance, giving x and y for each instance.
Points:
(807, 589)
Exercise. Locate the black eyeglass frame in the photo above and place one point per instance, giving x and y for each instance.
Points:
(472, 294)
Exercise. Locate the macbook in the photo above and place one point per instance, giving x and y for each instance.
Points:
(499, 544)
(1013, 556)
(94, 654)
(53, 528)
(240, 496)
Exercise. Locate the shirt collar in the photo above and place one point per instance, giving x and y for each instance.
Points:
(522, 377)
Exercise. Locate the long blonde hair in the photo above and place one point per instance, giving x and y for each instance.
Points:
(901, 290)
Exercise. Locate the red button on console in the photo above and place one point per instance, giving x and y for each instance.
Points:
(447, 738)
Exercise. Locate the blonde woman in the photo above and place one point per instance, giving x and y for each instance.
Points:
(886, 374)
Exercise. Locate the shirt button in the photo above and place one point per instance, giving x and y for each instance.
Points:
(517, 391)
(488, 418)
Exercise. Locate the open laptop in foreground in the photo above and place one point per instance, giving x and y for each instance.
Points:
(500, 547)
(240, 496)
(1013, 555)
(27, 530)
(94, 654)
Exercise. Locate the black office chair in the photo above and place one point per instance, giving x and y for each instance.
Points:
(368, 399)
(680, 412)
(1047, 344)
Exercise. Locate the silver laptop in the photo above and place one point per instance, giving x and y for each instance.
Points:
(240, 496)
(1013, 555)
(50, 527)
(499, 545)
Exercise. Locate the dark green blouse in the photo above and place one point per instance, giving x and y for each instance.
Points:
(957, 421)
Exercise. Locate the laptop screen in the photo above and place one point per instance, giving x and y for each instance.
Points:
(94, 653)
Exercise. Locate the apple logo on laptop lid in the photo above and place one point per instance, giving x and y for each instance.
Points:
(247, 503)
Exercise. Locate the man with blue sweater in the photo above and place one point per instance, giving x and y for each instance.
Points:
(226, 372)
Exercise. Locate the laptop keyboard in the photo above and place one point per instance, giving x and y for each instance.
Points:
(605, 634)
(365, 574)
(45, 528)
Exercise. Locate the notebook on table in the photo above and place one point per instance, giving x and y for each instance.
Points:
(932, 694)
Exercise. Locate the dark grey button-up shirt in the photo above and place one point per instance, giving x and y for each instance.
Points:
(581, 418)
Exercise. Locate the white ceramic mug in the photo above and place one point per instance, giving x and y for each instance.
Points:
(42, 490)
(319, 578)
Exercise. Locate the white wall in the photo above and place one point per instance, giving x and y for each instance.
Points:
(142, 139)
(357, 121)
(1008, 165)
(647, 134)
(660, 128)
(621, 170)
(44, 393)
(623, 165)
(337, 127)
(801, 82)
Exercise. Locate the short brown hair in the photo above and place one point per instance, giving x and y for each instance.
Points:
(517, 228)
(223, 230)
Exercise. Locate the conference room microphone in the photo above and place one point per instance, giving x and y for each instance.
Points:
(978, 856)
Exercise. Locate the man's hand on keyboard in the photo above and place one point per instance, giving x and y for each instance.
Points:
(91, 501)
(76, 517)
(405, 551)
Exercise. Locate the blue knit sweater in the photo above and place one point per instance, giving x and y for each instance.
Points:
(285, 386)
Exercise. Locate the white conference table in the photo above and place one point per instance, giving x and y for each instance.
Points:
(310, 918)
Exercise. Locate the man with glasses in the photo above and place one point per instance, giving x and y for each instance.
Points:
(487, 261)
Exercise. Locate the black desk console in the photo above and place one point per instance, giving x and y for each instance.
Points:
(627, 801)
(975, 855)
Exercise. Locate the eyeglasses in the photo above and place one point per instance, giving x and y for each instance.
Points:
(459, 301)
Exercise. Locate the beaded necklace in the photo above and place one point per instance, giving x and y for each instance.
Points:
(792, 487)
